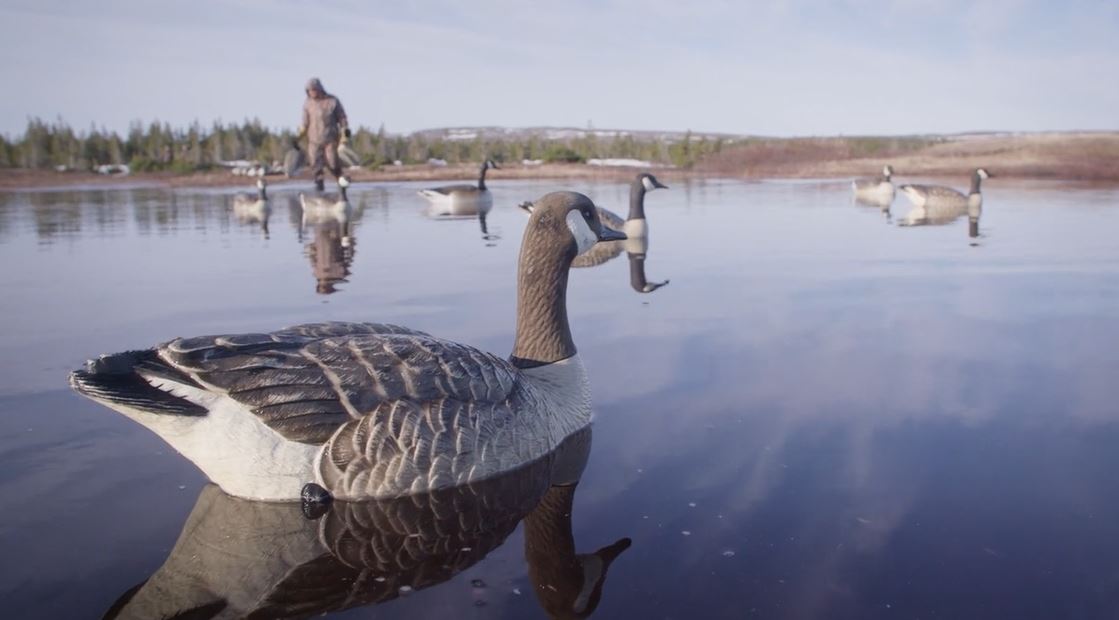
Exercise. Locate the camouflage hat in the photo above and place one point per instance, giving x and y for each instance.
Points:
(314, 84)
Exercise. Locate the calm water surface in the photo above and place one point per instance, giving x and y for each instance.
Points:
(824, 414)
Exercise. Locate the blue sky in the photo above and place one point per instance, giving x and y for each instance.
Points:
(788, 67)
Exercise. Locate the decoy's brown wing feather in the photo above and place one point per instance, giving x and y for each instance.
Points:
(611, 219)
(306, 381)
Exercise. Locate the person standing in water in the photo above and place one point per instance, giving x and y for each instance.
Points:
(325, 125)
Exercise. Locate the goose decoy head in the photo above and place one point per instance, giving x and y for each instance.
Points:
(982, 173)
(887, 171)
(650, 182)
(491, 164)
(579, 216)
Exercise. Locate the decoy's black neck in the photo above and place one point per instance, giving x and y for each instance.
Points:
(973, 227)
(263, 194)
(482, 176)
(637, 200)
(975, 181)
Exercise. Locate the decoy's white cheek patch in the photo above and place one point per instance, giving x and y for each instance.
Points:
(648, 184)
(584, 236)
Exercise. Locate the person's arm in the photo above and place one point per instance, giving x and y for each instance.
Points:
(340, 117)
(304, 122)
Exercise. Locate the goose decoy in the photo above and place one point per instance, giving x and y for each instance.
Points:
(464, 199)
(367, 410)
(940, 196)
(876, 191)
(254, 208)
(327, 207)
(242, 559)
(634, 226)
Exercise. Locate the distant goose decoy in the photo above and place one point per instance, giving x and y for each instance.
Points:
(937, 204)
(367, 410)
(878, 191)
(254, 208)
(463, 199)
(635, 226)
(327, 207)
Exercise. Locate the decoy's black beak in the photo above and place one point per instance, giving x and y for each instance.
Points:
(659, 185)
(608, 234)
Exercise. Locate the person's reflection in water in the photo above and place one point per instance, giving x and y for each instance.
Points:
(238, 558)
(331, 253)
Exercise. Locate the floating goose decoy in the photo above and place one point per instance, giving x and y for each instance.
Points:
(241, 559)
(327, 207)
(464, 199)
(366, 410)
(877, 191)
(634, 226)
(936, 204)
(254, 208)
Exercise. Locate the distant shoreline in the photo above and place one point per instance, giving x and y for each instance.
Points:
(1091, 157)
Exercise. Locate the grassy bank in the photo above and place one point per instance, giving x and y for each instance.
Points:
(1053, 156)
(1068, 156)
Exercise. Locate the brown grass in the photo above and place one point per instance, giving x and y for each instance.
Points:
(1088, 157)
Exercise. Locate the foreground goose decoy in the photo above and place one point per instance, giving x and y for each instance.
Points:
(254, 208)
(464, 199)
(242, 559)
(366, 410)
(876, 191)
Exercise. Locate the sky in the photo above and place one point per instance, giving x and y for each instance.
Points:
(783, 68)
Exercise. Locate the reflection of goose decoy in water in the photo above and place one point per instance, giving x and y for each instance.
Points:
(237, 558)
(331, 253)
(327, 207)
(463, 199)
(637, 278)
(254, 208)
(875, 191)
(366, 410)
(936, 204)
(489, 237)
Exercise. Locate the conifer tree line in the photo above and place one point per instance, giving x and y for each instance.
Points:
(159, 146)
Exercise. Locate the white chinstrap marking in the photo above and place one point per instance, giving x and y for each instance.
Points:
(648, 183)
(584, 236)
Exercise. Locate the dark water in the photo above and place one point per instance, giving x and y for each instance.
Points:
(824, 414)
